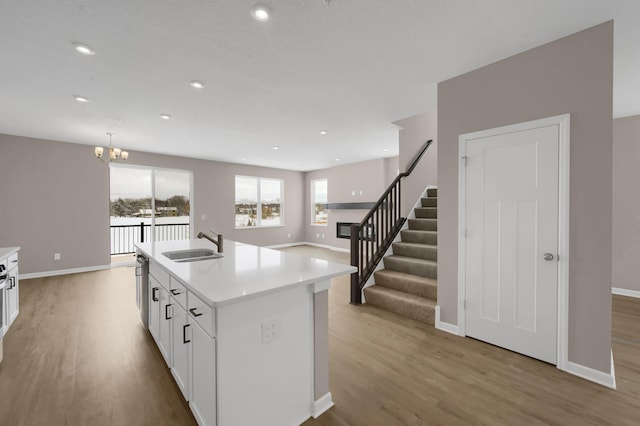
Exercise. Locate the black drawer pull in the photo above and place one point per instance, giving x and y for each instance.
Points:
(184, 333)
(166, 312)
(175, 292)
(194, 313)
(154, 296)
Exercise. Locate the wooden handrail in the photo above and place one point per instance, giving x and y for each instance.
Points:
(372, 237)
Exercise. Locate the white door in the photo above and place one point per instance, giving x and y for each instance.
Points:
(511, 268)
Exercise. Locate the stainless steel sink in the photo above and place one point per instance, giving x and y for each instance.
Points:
(191, 255)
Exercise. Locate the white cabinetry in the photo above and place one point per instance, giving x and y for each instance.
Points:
(159, 309)
(203, 361)
(12, 291)
(180, 345)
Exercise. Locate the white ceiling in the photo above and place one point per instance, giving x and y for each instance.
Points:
(352, 67)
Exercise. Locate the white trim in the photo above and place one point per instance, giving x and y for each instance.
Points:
(321, 405)
(445, 326)
(625, 292)
(564, 191)
(277, 246)
(344, 250)
(562, 121)
(68, 271)
(599, 377)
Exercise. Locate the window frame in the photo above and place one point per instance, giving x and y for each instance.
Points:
(313, 202)
(259, 224)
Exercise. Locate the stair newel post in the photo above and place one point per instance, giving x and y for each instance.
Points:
(356, 294)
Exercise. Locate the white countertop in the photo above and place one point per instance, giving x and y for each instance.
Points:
(7, 251)
(245, 270)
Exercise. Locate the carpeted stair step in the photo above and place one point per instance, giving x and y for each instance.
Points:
(429, 202)
(423, 224)
(426, 212)
(408, 305)
(419, 251)
(433, 192)
(407, 283)
(411, 265)
(421, 237)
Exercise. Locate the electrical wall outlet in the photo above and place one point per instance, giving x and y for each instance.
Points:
(56, 256)
(271, 331)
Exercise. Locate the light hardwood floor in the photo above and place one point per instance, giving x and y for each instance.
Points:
(78, 355)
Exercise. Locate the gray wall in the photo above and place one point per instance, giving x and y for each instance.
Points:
(56, 199)
(571, 75)
(626, 203)
(371, 177)
(414, 132)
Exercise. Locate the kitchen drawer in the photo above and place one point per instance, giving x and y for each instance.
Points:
(178, 292)
(159, 274)
(13, 261)
(202, 314)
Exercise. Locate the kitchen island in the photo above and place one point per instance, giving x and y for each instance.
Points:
(245, 335)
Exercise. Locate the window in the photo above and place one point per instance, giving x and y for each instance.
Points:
(319, 214)
(255, 195)
(148, 204)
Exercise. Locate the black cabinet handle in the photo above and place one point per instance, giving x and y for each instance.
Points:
(194, 313)
(154, 296)
(14, 261)
(166, 312)
(184, 333)
(12, 282)
(175, 292)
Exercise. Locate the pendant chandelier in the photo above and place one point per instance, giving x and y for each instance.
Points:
(115, 154)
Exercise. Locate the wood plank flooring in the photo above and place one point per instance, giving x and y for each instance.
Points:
(78, 355)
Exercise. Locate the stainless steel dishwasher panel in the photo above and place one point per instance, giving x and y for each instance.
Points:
(142, 288)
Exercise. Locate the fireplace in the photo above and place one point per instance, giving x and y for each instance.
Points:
(343, 230)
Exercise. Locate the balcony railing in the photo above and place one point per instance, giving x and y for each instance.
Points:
(124, 236)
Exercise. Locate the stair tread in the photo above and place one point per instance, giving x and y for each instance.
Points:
(406, 276)
(413, 259)
(412, 244)
(400, 295)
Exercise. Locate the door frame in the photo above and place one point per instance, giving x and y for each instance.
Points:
(563, 122)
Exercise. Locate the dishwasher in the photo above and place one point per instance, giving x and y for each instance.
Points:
(142, 288)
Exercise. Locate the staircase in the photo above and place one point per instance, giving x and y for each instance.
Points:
(408, 283)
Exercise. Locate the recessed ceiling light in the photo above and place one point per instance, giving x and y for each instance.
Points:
(276, 148)
(197, 84)
(165, 116)
(323, 132)
(260, 13)
(85, 49)
(80, 98)
(244, 158)
(386, 150)
(337, 159)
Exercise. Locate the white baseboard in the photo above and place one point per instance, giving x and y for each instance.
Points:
(322, 405)
(325, 246)
(445, 326)
(625, 292)
(277, 246)
(69, 271)
(599, 377)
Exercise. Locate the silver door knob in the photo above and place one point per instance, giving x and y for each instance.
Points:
(547, 256)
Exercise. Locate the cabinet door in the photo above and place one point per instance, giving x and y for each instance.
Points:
(13, 298)
(203, 376)
(181, 348)
(154, 308)
(166, 311)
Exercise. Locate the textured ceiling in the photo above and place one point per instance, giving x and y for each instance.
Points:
(352, 68)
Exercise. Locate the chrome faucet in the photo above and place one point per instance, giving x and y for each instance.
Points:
(217, 242)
